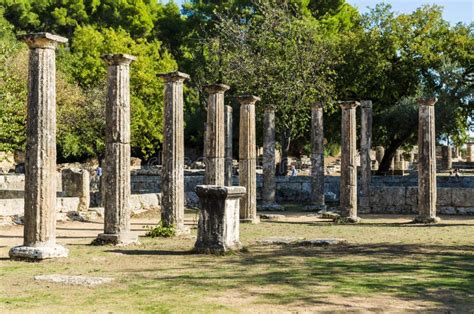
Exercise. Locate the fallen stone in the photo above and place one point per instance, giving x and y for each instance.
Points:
(279, 240)
(321, 242)
(74, 280)
(82, 216)
(329, 215)
(272, 217)
(271, 207)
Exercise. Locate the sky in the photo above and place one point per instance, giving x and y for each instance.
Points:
(454, 10)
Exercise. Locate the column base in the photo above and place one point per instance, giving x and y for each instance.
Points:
(201, 248)
(119, 239)
(250, 220)
(270, 207)
(426, 220)
(38, 253)
(347, 220)
(183, 231)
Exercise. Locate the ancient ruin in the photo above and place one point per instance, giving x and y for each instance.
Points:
(317, 156)
(269, 166)
(39, 240)
(365, 147)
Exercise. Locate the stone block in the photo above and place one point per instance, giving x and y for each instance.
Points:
(444, 196)
(411, 196)
(218, 227)
(463, 197)
(387, 196)
(76, 183)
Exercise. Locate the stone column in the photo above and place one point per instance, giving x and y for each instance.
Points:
(248, 158)
(269, 167)
(399, 160)
(447, 160)
(228, 146)
(470, 152)
(365, 147)
(348, 197)
(427, 163)
(214, 141)
(172, 180)
(117, 153)
(39, 241)
(76, 183)
(218, 227)
(317, 156)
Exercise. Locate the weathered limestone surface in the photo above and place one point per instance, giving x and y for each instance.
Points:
(214, 141)
(40, 164)
(173, 152)
(228, 146)
(76, 183)
(365, 147)
(269, 167)
(248, 158)
(348, 197)
(117, 153)
(427, 163)
(379, 152)
(74, 280)
(470, 152)
(218, 227)
(317, 156)
(447, 160)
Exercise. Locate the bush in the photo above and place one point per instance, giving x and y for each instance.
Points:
(161, 231)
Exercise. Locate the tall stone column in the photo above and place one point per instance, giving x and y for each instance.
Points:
(427, 163)
(39, 240)
(365, 147)
(269, 167)
(447, 160)
(470, 152)
(248, 158)
(228, 146)
(172, 179)
(348, 197)
(317, 156)
(214, 141)
(117, 153)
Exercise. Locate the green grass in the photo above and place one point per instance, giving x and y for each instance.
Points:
(431, 265)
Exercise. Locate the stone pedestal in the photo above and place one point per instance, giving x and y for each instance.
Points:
(117, 153)
(379, 152)
(248, 158)
(76, 183)
(348, 194)
(228, 146)
(172, 180)
(365, 147)
(269, 166)
(446, 160)
(39, 241)
(317, 156)
(399, 161)
(214, 141)
(218, 227)
(427, 163)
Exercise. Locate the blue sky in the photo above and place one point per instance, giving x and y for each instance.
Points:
(454, 10)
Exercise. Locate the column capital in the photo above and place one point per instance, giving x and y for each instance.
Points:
(175, 76)
(216, 88)
(366, 103)
(118, 59)
(270, 108)
(428, 101)
(228, 108)
(317, 105)
(349, 104)
(248, 99)
(42, 40)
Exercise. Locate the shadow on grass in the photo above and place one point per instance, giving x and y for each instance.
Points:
(370, 224)
(151, 252)
(440, 274)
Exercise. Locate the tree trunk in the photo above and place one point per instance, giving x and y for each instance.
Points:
(390, 151)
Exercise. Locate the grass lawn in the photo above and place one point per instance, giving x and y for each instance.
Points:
(389, 265)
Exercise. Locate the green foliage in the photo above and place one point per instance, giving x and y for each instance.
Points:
(161, 231)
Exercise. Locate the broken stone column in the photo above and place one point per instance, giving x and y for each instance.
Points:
(76, 183)
(348, 196)
(365, 147)
(218, 226)
(214, 141)
(269, 166)
(426, 163)
(39, 240)
(399, 160)
(317, 156)
(228, 146)
(117, 153)
(172, 180)
(470, 152)
(248, 158)
(447, 160)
